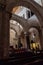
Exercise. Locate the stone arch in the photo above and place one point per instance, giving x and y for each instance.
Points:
(13, 37)
(13, 29)
(21, 21)
(18, 28)
(40, 34)
(26, 24)
(37, 9)
(36, 37)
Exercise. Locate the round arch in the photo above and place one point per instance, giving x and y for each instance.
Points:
(13, 29)
(40, 34)
(26, 24)
(37, 9)
(36, 38)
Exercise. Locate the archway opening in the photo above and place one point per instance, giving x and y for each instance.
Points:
(34, 39)
(22, 16)
(15, 37)
(19, 10)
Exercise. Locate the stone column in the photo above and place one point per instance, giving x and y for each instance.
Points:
(25, 41)
(28, 40)
(0, 34)
(41, 39)
(4, 34)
